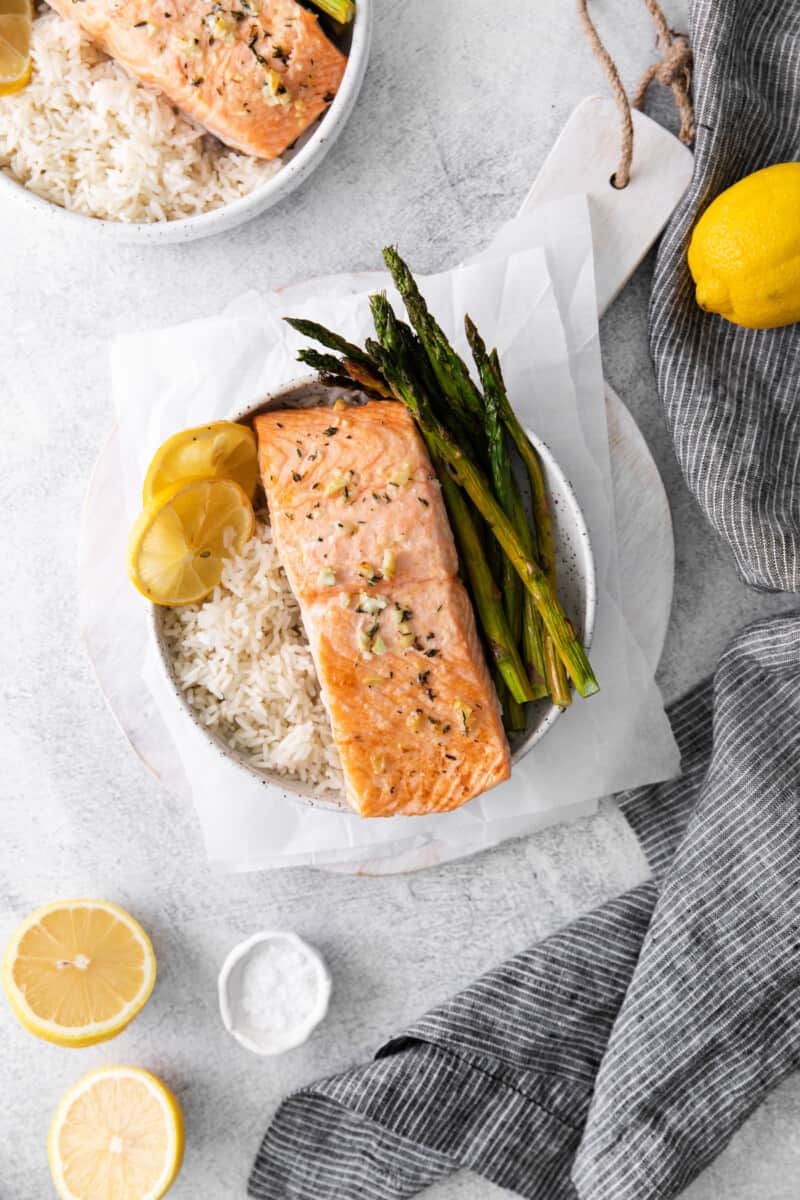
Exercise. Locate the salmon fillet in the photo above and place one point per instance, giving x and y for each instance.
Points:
(256, 73)
(361, 529)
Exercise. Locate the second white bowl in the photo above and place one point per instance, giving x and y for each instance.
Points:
(298, 166)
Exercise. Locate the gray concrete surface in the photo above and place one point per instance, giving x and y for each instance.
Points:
(461, 103)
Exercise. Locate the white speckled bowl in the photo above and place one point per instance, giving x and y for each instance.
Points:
(230, 989)
(577, 590)
(300, 163)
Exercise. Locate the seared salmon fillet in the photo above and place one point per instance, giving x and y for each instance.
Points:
(256, 73)
(361, 529)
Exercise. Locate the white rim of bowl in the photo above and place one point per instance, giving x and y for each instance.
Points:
(228, 216)
(295, 789)
(302, 1032)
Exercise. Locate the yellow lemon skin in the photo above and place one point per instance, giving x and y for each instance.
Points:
(118, 1134)
(744, 253)
(222, 450)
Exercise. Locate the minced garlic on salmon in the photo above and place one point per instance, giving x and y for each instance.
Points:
(256, 73)
(361, 529)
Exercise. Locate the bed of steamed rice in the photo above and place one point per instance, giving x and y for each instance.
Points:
(86, 135)
(243, 662)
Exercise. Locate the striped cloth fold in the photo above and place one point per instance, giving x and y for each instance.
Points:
(730, 394)
(617, 1057)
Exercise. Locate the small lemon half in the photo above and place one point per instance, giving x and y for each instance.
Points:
(76, 972)
(117, 1135)
(180, 540)
(220, 450)
(16, 21)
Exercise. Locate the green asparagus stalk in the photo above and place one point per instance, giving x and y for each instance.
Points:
(341, 11)
(485, 594)
(329, 368)
(391, 354)
(477, 487)
(500, 468)
(325, 364)
(450, 370)
(554, 668)
(513, 713)
(525, 621)
(419, 366)
(533, 635)
(332, 341)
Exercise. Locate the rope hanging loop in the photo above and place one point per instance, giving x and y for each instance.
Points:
(673, 70)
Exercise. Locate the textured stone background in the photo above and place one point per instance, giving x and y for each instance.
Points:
(461, 103)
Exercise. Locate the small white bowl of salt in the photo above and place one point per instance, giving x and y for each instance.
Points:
(273, 991)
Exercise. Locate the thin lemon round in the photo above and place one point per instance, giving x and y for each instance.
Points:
(117, 1135)
(76, 972)
(16, 19)
(181, 539)
(744, 253)
(222, 450)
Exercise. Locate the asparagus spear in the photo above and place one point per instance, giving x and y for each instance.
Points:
(318, 333)
(393, 350)
(554, 668)
(450, 370)
(329, 368)
(477, 487)
(487, 599)
(419, 366)
(500, 468)
(325, 364)
(524, 618)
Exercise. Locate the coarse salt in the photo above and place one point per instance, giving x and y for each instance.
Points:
(280, 987)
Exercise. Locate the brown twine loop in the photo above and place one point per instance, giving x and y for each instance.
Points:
(673, 70)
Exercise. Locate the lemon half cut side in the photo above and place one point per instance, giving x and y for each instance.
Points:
(76, 972)
(180, 540)
(117, 1135)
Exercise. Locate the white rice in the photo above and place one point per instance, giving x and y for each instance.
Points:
(86, 135)
(243, 661)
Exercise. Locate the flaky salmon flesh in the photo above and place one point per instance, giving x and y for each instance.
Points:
(362, 532)
(256, 73)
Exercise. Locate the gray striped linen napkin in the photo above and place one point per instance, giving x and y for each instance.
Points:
(614, 1060)
(731, 395)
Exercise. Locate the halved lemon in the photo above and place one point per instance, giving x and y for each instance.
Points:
(76, 972)
(181, 538)
(16, 19)
(222, 450)
(117, 1135)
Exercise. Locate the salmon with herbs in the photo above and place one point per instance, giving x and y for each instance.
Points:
(362, 532)
(256, 73)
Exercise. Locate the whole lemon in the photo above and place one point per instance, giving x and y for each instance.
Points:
(744, 254)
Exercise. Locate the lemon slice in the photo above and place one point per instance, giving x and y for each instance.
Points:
(117, 1135)
(16, 18)
(181, 538)
(78, 971)
(221, 450)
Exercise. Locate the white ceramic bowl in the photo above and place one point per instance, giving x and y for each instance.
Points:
(242, 1024)
(312, 148)
(577, 590)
